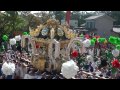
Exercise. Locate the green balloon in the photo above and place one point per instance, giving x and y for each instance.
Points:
(101, 40)
(92, 42)
(25, 33)
(95, 39)
(113, 40)
(118, 47)
(5, 37)
(118, 41)
(81, 35)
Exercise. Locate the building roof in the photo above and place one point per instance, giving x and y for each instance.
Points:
(117, 30)
(98, 16)
(83, 24)
(93, 17)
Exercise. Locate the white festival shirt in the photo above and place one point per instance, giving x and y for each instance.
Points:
(91, 52)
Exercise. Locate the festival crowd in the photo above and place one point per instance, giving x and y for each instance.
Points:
(99, 67)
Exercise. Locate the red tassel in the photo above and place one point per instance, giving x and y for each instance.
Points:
(37, 45)
(75, 54)
(115, 64)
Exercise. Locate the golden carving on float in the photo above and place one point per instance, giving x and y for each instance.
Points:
(55, 29)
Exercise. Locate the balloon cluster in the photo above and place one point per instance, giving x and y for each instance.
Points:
(13, 41)
(91, 42)
(17, 38)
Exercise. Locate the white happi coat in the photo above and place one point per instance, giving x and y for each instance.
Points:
(27, 76)
(23, 71)
(91, 52)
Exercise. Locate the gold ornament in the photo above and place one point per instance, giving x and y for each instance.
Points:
(35, 32)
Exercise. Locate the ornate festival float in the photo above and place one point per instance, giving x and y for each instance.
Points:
(56, 47)
(51, 43)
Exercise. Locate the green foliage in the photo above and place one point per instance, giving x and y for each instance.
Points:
(80, 16)
(92, 42)
(11, 21)
(59, 15)
(113, 70)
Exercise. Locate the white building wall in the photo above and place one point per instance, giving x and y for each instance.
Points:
(73, 23)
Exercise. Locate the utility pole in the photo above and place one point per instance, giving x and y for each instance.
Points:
(68, 15)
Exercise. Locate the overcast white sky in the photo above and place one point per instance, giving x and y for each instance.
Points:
(39, 11)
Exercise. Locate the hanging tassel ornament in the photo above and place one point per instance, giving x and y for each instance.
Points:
(57, 49)
(75, 54)
(52, 33)
(37, 45)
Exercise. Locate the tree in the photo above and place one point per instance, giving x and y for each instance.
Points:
(32, 20)
(25, 13)
(80, 16)
(14, 21)
(59, 15)
(116, 16)
(3, 21)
